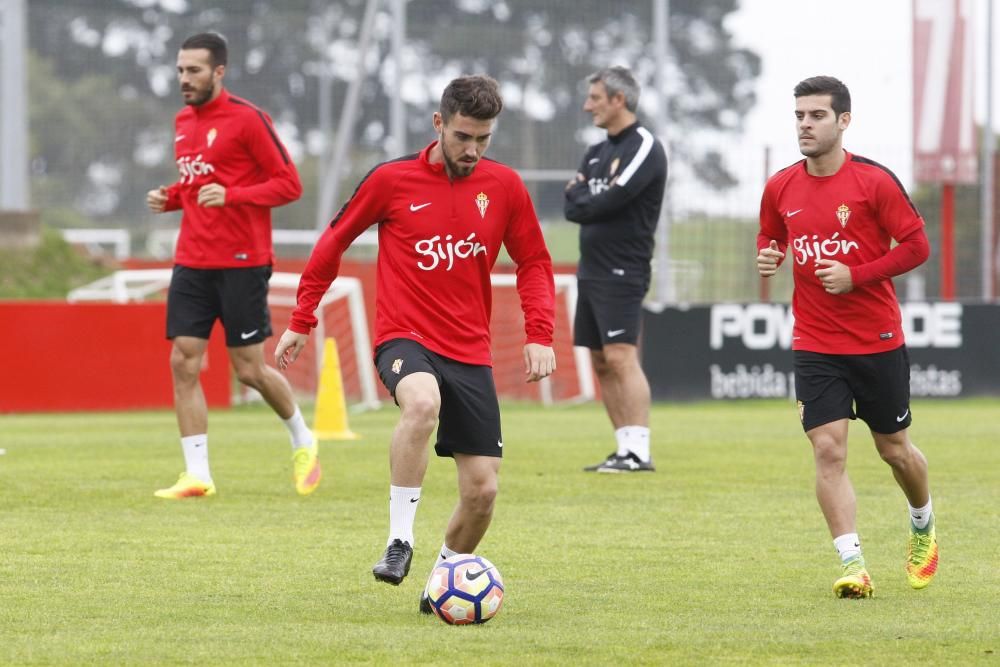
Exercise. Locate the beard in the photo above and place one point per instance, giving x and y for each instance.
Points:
(198, 97)
(458, 169)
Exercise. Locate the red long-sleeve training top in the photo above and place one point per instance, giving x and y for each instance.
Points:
(233, 143)
(438, 241)
(852, 217)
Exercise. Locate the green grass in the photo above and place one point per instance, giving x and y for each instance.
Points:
(719, 557)
(49, 271)
(716, 259)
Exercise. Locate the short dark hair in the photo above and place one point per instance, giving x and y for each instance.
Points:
(213, 41)
(618, 80)
(476, 96)
(840, 96)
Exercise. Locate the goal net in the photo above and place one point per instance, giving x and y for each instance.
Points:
(573, 379)
(341, 315)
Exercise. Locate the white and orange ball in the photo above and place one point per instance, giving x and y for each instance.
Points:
(465, 589)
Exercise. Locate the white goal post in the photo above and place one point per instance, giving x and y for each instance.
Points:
(579, 387)
(342, 314)
(138, 285)
(283, 290)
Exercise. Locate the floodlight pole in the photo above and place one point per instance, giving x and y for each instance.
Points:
(986, 170)
(665, 290)
(14, 185)
(325, 92)
(345, 126)
(397, 110)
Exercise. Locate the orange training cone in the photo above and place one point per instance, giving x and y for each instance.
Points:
(331, 409)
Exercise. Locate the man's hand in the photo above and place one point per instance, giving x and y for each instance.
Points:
(156, 199)
(539, 361)
(289, 347)
(835, 277)
(768, 258)
(212, 195)
(579, 178)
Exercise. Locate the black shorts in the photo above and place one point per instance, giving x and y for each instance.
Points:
(607, 312)
(829, 386)
(469, 421)
(238, 297)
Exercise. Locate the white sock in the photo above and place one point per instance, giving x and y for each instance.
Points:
(633, 439)
(298, 431)
(848, 546)
(445, 553)
(195, 449)
(921, 516)
(403, 501)
(620, 436)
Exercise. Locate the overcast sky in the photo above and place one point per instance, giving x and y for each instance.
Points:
(865, 43)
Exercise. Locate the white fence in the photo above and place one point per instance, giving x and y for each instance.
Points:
(160, 243)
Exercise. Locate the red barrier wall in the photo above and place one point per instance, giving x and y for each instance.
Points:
(62, 357)
(69, 357)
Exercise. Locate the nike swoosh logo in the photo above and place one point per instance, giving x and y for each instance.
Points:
(899, 419)
(593, 160)
(472, 576)
(249, 334)
(413, 500)
(789, 214)
(616, 332)
(178, 138)
(415, 207)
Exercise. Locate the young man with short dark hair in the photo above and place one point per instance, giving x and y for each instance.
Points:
(233, 171)
(837, 214)
(442, 215)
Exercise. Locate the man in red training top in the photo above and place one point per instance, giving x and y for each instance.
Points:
(233, 170)
(836, 215)
(442, 215)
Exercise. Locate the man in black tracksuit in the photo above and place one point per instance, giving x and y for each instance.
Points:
(616, 198)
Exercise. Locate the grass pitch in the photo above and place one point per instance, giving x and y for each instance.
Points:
(719, 557)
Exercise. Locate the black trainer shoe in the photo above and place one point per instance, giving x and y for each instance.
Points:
(425, 603)
(395, 563)
(628, 463)
(613, 456)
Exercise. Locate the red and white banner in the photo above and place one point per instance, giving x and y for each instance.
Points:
(944, 146)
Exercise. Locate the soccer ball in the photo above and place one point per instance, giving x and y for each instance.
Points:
(465, 589)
